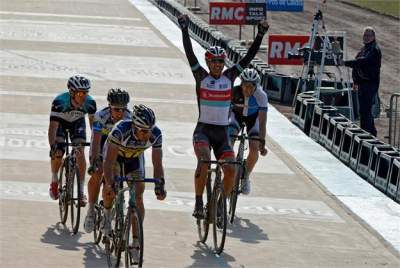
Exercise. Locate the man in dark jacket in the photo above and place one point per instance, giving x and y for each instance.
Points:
(366, 75)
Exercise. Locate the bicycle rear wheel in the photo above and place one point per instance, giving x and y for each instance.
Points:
(203, 225)
(133, 218)
(98, 216)
(62, 189)
(220, 219)
(75, 190)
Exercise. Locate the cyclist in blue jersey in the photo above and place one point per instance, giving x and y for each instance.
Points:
(214, 91)
(68, 112)
(126, 144)
(104, 121)
(250, 106)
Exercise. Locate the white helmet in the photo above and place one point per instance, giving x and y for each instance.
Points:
(250, 75)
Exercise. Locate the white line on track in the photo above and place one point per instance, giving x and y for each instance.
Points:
(67, 16)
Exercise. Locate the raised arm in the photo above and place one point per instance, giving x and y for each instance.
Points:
(251, 53)
(183, 21)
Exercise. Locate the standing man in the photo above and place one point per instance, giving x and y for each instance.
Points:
(214, 92)
(366, 76)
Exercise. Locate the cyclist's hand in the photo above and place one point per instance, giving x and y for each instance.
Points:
(263, 27)
(263, 150)
(159, 190)
(92, 169)
(183, 21)
(54, 148)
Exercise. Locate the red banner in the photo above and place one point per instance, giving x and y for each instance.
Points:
(227, 13)
(280, 45)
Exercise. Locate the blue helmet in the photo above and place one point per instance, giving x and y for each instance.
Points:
(143, 117)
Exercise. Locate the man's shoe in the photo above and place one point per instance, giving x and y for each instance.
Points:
(198, 212)
(53, 191)
(89, 222)
(134, 250)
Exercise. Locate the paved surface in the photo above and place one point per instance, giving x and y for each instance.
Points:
(289, 220)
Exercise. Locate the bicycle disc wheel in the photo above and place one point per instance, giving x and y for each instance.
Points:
(62, 188)
(220, 220)
(75, 190)
(203, 224)
(98, 216)
(133, 217)
(234, 195)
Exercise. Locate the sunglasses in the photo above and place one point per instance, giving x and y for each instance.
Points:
(80, 93)
(218, 61)
(143, 130)
(117, 109)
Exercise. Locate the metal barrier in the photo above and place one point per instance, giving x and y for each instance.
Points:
(393, 113)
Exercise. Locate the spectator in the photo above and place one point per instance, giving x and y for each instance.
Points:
(366, 75)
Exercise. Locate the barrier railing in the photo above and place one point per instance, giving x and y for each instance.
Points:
(393, 113)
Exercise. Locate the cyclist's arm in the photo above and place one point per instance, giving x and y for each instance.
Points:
(95, 146)
(52, 133)
(110, 158)
(91, 119)
(262, 117)
(156, 157)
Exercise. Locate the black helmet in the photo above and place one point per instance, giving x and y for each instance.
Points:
(118, 97)
(143, 116)
(78, 82)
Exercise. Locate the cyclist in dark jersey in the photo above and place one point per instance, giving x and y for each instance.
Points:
(68, 111)
(250, 106)
(213, 90)
(104, 120)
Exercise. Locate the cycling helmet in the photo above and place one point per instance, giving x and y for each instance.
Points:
(78, 82)
(118, 97)
(215, 52)
(143, 117)
(250, 75)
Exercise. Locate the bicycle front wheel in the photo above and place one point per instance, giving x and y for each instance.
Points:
(98, 216)
(75, 190)
(219, 220)
(62, 189)
(203, 224)
(133, 251)
(234, 195)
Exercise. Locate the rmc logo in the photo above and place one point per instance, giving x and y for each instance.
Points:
(279, 47)
(227, 13)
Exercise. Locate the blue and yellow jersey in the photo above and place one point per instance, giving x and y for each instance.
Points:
(129, 146)
(62, 110)
(102, 122)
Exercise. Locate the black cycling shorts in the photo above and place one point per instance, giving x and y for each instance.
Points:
(215, 137)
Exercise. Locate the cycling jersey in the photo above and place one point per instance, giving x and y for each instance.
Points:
(248, 106)
(103, 124)
(63, 111)
(129, 146)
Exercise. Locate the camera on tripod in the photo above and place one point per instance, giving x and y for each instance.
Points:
(304, 53)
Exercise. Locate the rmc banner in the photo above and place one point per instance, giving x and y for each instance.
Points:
(280, 46)
(228, 13)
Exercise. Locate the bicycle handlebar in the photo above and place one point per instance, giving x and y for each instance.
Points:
(245, 137)
(74, 144)
(135, 179)
(220, 162)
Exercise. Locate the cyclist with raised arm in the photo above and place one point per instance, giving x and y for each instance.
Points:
(250, 106)
(126, 144)
(214, 91)
(68, 112)
(104, 121)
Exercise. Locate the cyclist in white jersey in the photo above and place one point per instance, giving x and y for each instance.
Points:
(213, 90)
(250, 106)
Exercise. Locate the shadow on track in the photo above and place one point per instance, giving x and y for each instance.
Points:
(246, 231)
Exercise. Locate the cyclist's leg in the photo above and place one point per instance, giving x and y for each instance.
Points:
(234, 127)
(202, 150)
(94, 185)
(55, 163)
(78, 134)
(223, 151)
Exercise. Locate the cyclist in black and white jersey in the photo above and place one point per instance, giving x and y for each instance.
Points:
(214, 91)
(250, 106)
(68, 112)
(104, 121)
